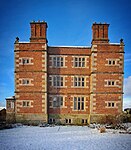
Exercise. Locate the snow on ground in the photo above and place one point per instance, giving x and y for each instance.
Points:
(62, 138)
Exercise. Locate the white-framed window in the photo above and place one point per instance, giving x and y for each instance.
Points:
(26, 82)
(79, 62)
(26, 103)
(112, 62)
(111, 83)
(84, 121)
(10, 104)
(79, 103)
(26, 61)
(58, 81)
(79, 81)
(58, 61)
(111, 104)
(68, 121)
(52, 120)
(57, 101)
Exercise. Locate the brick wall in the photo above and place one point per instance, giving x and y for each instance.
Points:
(91, 78)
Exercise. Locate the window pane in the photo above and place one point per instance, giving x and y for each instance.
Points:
(112, 104)
(75, 103)
(61, 81)
(76, 64)
(54, 102)
(109, 62)
(79, 103)
(83, 82)
(58, 61)
(83, 59)
(54, 81)
(113, 62)
(113, 83)
(61, 101)
(109, 104)
(54, 61)
(24, 103)
(80, 64)
(75, 81)
(61, 63)
(28, 103)
(83, 64)
(82, 103)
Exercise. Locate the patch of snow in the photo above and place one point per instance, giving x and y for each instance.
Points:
(62, 138)
(2, 108)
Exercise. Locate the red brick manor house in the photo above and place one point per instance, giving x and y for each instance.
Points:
(67, 84)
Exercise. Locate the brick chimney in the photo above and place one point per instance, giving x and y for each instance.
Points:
(38, 31)
(100, 33)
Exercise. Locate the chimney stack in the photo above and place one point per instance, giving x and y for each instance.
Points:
(38, 31)
(100, 33)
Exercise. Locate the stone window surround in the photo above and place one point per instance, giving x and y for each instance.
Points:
(28, 80)
(68, 120)
(51, 101)
(26, 103)
(57, 56)
(85, 61)
(10, 105)
(26, 61)
(112, 62)
(85, 81)
(79, 96)
(111, 83)
(51, 81)
(84, 121)
(57, 101)
(111, 103)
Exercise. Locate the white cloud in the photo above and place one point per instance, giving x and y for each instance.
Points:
(126, 102)
(127, 86)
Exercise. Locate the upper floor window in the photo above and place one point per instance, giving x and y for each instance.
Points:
(111, 83)
(79, 61)
(111, 104)
(112, 62)
(57, 101)
(26, 61)
(78, 103)
(26, 104)
(58, 61)
(26, 82)
(57, 81)
(79, 81)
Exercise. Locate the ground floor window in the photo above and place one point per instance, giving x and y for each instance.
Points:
(78, 103)
(68, 121)
(51, 120)
(84, 121)
(57, 101)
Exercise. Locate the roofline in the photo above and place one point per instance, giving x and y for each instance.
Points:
(71, 46)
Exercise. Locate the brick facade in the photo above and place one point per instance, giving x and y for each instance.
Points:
(65, 84)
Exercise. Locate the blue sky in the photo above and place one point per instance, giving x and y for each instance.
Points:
(69, 23)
